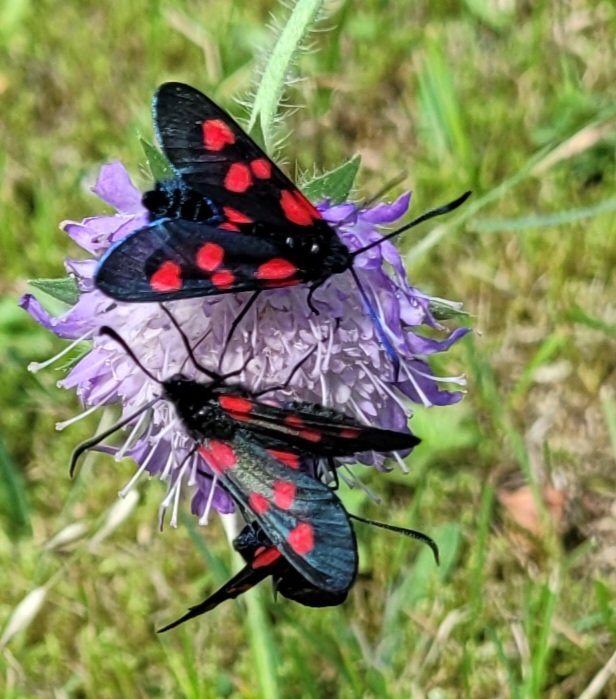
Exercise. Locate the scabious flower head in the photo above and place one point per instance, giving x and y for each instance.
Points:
(348, 368)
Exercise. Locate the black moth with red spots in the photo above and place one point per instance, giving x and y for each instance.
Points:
(264, 560)
(231, 221)
(255, 451)
(217, 410)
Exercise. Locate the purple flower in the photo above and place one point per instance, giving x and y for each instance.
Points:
(349, 370)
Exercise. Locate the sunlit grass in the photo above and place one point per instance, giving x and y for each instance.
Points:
(516, 106)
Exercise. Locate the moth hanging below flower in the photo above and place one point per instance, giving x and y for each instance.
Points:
(264, 560)
(232, 221)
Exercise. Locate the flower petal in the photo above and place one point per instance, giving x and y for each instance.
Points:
(115, 187)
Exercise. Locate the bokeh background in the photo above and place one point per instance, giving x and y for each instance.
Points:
(514, 100)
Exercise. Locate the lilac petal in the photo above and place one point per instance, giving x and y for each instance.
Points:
(87, 374)
(221, 502)
(97, 233)
(92, 234)
(426, 345)
(341, 213)
(71, 325)
(429, 387)
(412, 310)
(115, 187)
(82, 271)
(387, 213)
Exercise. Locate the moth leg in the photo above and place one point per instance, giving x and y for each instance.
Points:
(237, 320)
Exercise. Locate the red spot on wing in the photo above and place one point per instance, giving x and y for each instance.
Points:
(297, 208)
(258, 503)
(216, 134)
(235, 404)
(301, 539)
(210, 257)
(261, 168)
(266, 558)
(276, 269)
(350, 432)
(239, 417)
(228, 226)
(288, 458)
(223, 279)
(168, 277)
(238, 178)
(311, 435)
(307, 434)
(284, 494)
(235, 216)
(219, 455)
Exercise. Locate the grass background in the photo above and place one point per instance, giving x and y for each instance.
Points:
(513, 100)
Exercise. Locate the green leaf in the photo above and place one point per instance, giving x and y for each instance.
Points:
(445, 311)
(334, 185)
(159, 165)
(270, 89)
(64, 290)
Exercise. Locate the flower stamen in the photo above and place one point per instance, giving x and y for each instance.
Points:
(34, 367)
(66, 423)
(205, 517)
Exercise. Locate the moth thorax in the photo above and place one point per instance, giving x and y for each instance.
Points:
(173, 199)
(157, 202)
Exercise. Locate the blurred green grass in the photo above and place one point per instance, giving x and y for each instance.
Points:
(514, 101)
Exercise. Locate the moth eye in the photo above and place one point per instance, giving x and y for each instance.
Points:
(314, 248)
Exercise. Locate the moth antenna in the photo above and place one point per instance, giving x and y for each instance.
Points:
(214, 376)
(411, 533)
(433, 213)
(189, 350)
(98, 438)
(110, 332)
